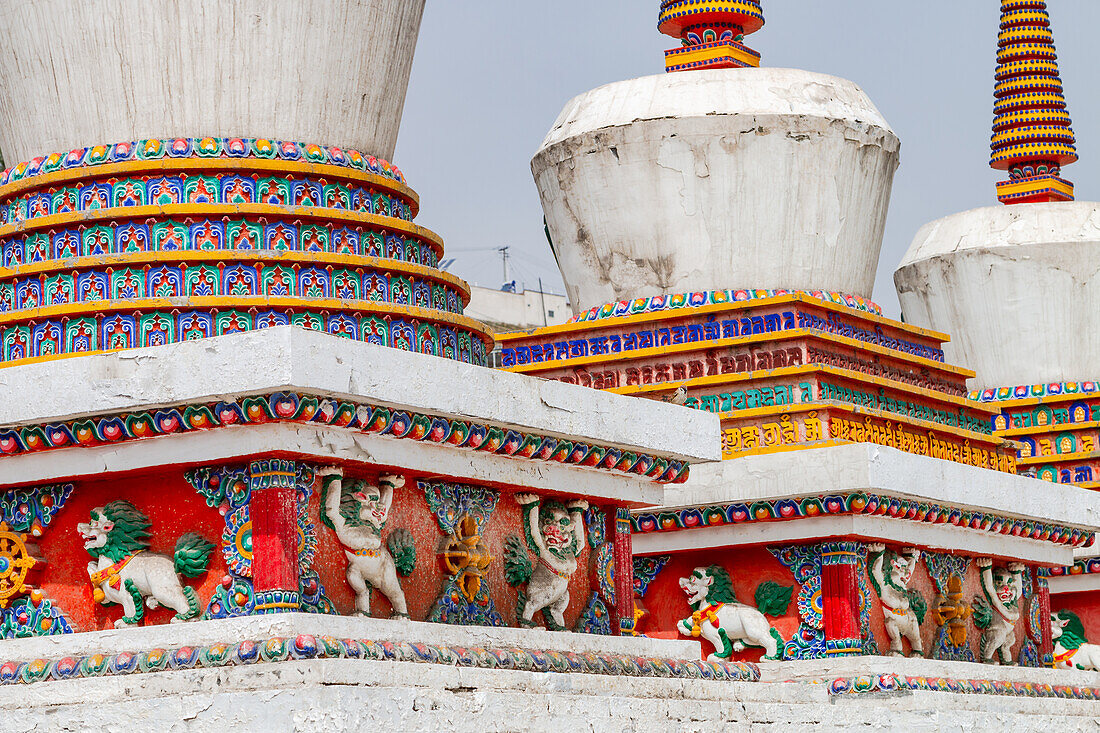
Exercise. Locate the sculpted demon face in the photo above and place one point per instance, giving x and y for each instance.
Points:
(697, 585)
(371, 509)
(1003, 583)
(900, 571)
(95, 532)
(557, 528)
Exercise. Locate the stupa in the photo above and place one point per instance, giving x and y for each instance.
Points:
(246, 421)
(973, 273)
(718, 232)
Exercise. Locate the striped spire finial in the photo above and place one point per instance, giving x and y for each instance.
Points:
(710, 32)
(1032, 134)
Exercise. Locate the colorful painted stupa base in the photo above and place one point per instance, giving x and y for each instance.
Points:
(784, 373)
(711, 32)
(1057, 427)
(798, 381)
(1032, 134)
(157, 241)
(312, 499)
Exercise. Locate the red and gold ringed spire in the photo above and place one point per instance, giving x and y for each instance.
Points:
(1032, 133)
(711, 33)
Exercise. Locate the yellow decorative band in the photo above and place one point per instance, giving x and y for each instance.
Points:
(1063, 154)
(1030, 66)
(1057, 117)
(1028, 100)
(1032, 83)
(1033, 133)
(1025, 33)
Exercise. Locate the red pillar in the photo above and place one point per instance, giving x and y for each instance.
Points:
(1046, 648)
(273, 509)
(624, 571)
(840, 598)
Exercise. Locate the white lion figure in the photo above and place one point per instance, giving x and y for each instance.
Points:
(357, 511)
(1003, 590)
(903, 608)
(1071, 651)
(125, 572)
(719, 618)
(555, 532)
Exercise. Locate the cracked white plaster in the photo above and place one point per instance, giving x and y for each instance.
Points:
(756, 178)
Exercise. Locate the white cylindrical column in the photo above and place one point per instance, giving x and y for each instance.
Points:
(330, 72)
(1017, 287)
(730, 178)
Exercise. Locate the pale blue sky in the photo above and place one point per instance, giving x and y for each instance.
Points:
(490, 77)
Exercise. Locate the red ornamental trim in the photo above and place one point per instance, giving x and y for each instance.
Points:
(857, 503)
(302, 408)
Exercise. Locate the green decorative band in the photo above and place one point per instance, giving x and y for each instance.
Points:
(856, 503)
(883, 683)
(301, 408)
(206, 147)
(278, 649)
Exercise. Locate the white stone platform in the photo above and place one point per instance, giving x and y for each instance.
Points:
(288, 359)
(881, 471)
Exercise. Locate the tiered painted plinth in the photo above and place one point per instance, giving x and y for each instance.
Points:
(784, 372)
(798, 382)
(1057, 427)
(157, 241)
(289, 470)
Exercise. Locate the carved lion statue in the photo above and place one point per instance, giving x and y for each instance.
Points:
(124, 571)
(1071, 650)
(719, 618)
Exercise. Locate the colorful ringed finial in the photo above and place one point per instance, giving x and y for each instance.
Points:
(711, 33)
(1032, 134)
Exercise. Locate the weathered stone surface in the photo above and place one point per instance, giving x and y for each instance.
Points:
(331, 72)
(1017, 287)
(338, 695)
(755, 178)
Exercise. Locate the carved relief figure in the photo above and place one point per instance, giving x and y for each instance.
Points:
(357, 511)
(903, 609)
(1003, 589)
(555, 533)
(1071, 651)
(125, 572)
(719, 618)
